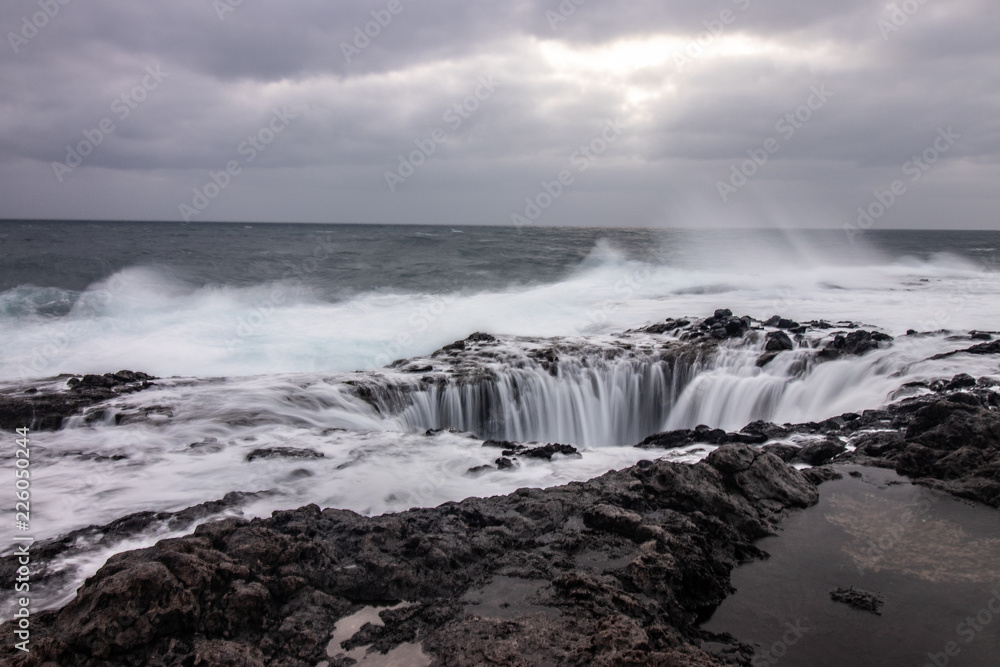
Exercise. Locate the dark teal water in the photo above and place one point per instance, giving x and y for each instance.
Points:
(361, 258)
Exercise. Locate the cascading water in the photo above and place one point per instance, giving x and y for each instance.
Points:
(587, 402)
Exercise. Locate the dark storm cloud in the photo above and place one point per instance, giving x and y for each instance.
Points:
(697, 86)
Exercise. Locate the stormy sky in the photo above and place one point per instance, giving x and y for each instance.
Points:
(530, 112)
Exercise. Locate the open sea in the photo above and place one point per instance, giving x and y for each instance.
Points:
(232, 299)
(262, 335)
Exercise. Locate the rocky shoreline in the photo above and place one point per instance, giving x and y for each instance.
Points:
(618, 570)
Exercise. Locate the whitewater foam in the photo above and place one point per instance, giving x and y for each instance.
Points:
(149, 319)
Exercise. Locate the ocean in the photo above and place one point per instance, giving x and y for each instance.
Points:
(232, 299)
(287, 336)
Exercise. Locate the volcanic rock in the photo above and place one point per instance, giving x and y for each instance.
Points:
(993, 347)
(818, 453)
(783, 451)
(46, 410)
(855, 343)
(859, 599)
(778, 341)
(548, 451)
(270, 591)
(283, 452)
(541, 452)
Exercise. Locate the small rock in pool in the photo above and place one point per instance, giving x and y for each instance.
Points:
(503, 463)
(859, 599)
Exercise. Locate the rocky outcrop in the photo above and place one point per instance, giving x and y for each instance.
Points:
(777, 341)
(42, 409)
(283, 452)
(951, 443)
(55, 562)
(983, 348)
(858, 599)
(948, 440)
(698, 435)
(612, 571)
(723, 325)
(855, 343)
(516, 449)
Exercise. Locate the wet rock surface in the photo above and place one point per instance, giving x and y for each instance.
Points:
(847, 338)
(282, 452)
(983, 348)
(47, 572)
(45, 409)
(512, 450)
(859, 599)
(532, 451)
(700, 435)
(854, 343)
(947, 440)
(618, 570)
(818, 453)
(947, 437)
(778, 341)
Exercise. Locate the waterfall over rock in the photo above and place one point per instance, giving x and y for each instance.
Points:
(618, 390)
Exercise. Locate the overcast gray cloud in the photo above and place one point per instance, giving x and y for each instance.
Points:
(727, 113)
